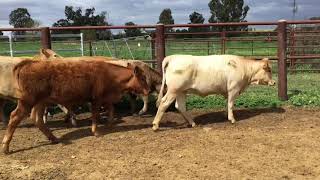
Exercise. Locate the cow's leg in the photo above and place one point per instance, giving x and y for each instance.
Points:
(64, 109)
(181, 106)
(231, 98)
(21, 111)
(40, 110)
(164, 104)
(70, 116)
(110, 109)
(73, 119)
(111, 113)
(95, 110)
(132, 101)
(3, 117)
(45, 115)
(145, 105)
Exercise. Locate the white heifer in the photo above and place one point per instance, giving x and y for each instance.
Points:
(227, 75)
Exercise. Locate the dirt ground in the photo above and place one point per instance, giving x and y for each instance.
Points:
(280, 143)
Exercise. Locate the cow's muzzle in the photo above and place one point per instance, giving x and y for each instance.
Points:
(146, 92)
(272, 83)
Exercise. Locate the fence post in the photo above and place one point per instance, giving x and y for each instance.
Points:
(282, 60)
(45, 38)
(90, 48)
(81, 44)
(160, 45)
(153, 49)
(10, 44)
(223, 42)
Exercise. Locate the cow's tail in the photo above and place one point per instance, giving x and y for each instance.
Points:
(16, 70)
(165, 63)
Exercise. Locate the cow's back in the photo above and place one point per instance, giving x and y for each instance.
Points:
(201, 75)
(7, 88)
(67, 81)
(56, 79)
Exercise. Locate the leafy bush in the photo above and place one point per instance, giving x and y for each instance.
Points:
(305, 99)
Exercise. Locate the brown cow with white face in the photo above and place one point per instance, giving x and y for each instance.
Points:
(71, 83)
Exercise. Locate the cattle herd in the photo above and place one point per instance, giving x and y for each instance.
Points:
(49, 79)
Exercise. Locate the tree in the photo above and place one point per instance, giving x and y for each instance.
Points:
(20, 18)
(75, 17)
(315, 18)
(197, 18)
(132, 32)
(228, 11)
(36, 23)
(166, 18)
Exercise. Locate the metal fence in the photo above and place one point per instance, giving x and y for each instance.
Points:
(17, 45)
(281, 44)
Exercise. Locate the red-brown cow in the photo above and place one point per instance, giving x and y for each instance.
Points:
(71, 83)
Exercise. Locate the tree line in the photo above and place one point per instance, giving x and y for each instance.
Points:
(221, 11)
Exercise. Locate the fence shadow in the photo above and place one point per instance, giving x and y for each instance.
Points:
(103, 130)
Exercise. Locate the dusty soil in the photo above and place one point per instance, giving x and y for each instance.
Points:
(280, 143)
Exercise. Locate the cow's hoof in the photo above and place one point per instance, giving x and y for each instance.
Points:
(193, 125)
(141, 113)
(155, 127)
(232, 121)
(74, 122)
(97, 134)
(54, 140)
(110, 124)
(5, 149)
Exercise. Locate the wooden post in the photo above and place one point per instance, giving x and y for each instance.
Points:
(153, 47)
(223, 42)
(90, 48)
(282, 59)
(160, 45)
(45, 38)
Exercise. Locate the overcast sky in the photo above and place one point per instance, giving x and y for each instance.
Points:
(147, 11)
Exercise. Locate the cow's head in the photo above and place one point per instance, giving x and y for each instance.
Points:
(138, 83)
(263, 75)
(48, 54)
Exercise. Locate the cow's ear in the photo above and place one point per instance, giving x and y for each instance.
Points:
(265, 59)
(136, 70)
(266, 66)
(232, 63)
(43, 52)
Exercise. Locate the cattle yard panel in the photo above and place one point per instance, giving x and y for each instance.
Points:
(29, 44)
(227, 42)
(304, 48)
(19, 44)
(255, 44)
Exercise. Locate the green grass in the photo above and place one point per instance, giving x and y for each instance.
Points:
(141, 49)
(303, 90)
